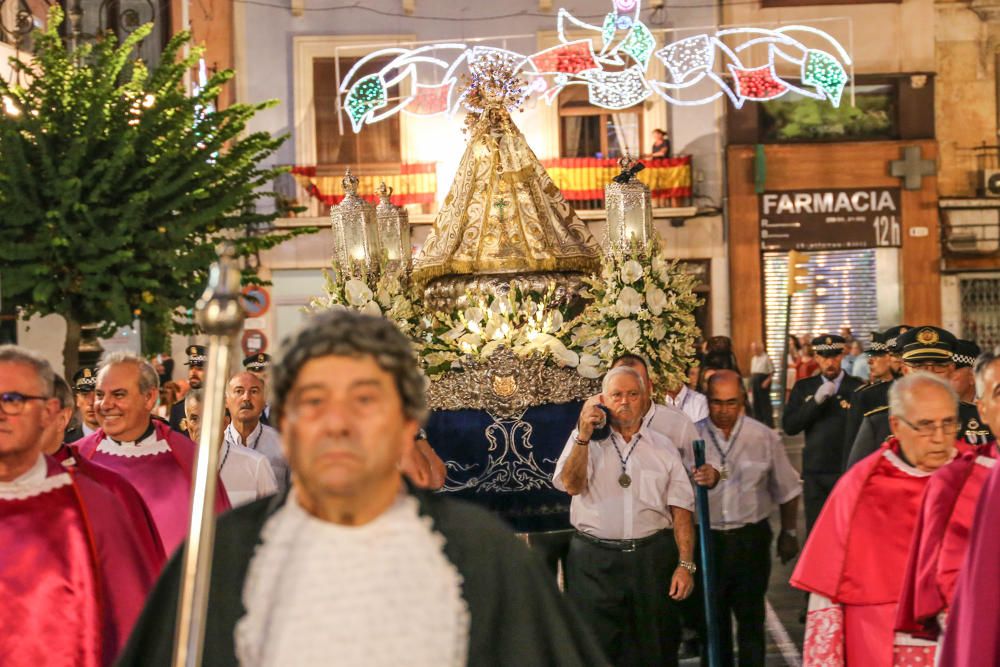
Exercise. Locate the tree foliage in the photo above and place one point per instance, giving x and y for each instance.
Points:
(116, 185)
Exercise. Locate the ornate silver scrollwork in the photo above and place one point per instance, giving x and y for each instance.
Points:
(505, 385)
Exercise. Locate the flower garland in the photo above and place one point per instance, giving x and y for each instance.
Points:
(641, 303)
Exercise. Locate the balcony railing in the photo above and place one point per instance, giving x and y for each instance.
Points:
(581, 181)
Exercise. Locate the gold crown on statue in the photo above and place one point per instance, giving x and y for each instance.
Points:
(493, 82)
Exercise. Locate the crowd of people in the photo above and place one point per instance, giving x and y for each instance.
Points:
(332, 545)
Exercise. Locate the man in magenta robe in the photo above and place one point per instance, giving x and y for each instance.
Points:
(853, 563)
(972, 633)
(156, 460)
(74, 572)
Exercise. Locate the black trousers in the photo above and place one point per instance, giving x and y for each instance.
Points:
(816, 488)
(552, 546)
(624, 597)
(763, 411)
(742, 568)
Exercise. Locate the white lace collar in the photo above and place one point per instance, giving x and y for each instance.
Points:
(149, 446)
(33, 483)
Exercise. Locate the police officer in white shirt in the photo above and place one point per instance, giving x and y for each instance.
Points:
(246, 474)
(631, 558)
(756, 477)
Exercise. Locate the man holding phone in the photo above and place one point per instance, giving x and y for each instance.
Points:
(631, 559)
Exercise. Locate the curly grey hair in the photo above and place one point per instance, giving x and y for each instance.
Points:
(349, 333)
(15, 354)
(149, 380)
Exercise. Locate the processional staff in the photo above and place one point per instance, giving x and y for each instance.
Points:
(220, 315)
(707, 562)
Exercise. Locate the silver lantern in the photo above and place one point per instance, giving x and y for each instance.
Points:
(355, 232)
(393, 231)
(629, 208)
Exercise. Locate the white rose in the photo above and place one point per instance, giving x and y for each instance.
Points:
(656, 299)
(629, 302)
(371, 308)
(473, 314)
(589, 360)
(358, 293)
(554, 321)
(628, 333)
(588, 371)
(631, 271)
(564, 356)
(659, 330)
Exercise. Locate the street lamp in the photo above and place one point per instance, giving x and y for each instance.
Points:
(355, 233)
(629, 208)
(393, 231)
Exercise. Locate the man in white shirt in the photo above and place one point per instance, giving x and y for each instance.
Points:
(631, 558)
(756, 477)
(247, 474)
(761, 375)
(692, 403)
(245, 402)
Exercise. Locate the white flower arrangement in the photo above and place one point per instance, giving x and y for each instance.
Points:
(640, 303)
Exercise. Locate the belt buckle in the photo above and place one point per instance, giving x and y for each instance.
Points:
(629, 546)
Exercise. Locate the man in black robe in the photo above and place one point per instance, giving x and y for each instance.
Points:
(351, 564)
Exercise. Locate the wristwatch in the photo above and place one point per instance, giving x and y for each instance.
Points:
(688, 565)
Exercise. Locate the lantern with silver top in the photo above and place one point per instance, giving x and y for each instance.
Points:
(629, 208)
(355, 232)
(393, 232)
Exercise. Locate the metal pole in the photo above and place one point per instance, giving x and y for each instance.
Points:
(221, 317)
(784, 356)
(712, 639)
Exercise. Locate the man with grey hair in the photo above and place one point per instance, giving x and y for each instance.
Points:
(156, 460)
(855, 558)
(631, 559)
(245, 402)
(74, 571)
(351, 565)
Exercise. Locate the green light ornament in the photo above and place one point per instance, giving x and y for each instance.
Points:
(364, 97)
(825, 73)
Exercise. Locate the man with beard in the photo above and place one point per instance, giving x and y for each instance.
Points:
(631, 559)
(819, 406)
(74, 570)
(757, 478)
(352, 566)
(197, 355)
(84, 382)
(245, 402)
(156, 460)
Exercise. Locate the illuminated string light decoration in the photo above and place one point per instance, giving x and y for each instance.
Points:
(613, 64)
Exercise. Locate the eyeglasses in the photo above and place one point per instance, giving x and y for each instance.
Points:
(929, 428)
(12, 402)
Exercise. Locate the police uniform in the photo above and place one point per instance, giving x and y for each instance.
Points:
(258, 363)
(823, 420)
(920, 344)
(84, 382)
(197, 355)
(875, 394)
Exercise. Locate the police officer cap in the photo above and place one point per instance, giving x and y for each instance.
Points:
(877, 346)
(927, 343)
(197, 355)
(85, 380)
(828, 345)
(257, 362)
(966, 353)
(891, 337)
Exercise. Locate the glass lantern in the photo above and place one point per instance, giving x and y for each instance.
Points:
(393, 231)
(355, 232)
(629, 208)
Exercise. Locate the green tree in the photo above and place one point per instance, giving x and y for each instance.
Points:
(117, 185)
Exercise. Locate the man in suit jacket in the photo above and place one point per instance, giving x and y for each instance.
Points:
(819, 406)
